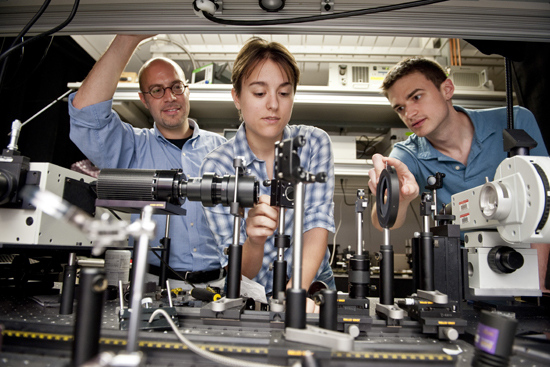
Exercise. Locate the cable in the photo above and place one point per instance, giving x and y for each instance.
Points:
(154, 251)
(30, 74)
(415, 215)
(14, 71)
(114, 214)
(23, 32)
(368, 142)
(345, 14)
(336, 234)
(216, 358)
(344, 192)
(47, 33)
(193, 61)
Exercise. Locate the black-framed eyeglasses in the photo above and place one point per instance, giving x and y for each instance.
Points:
(158, 91)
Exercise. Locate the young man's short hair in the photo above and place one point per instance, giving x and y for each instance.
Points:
(429, 68)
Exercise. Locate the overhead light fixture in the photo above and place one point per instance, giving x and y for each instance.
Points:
(272, 5)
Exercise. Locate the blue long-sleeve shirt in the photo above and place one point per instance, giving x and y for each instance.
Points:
(108, 142)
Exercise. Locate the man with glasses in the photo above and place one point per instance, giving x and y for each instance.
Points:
(175, 141)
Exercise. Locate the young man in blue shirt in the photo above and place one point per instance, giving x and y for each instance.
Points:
(175, 141)
(465, 145)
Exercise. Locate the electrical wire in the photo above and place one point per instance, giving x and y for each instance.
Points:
(30, 74)
(344, 192)
(193, 61)
(345, 14)
(336, 234)
(154, 251)
(45, 34)
(13, 72)
(368, 142)
(415, 215)
(216, 358)
(23, 32)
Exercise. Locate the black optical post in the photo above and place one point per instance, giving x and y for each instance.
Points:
(282, 195)
(288, 169)
(165, 243)
(93, 284)
(427, 207)
(426, 243)
(359, 263)
(233, 303)
(235, 251)
(354, 308)
(387, 206)
(69, 281)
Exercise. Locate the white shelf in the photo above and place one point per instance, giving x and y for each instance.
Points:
(325, 107)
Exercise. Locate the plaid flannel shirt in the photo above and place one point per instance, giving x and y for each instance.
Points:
(315, 156)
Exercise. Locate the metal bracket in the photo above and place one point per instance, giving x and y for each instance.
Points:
(219, 7)
(391, 311)
(327, 7)
(226, 303)
(321, 337)
(434, 296)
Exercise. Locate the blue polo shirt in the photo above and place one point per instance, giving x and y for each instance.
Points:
(108, 142)
(486, 152)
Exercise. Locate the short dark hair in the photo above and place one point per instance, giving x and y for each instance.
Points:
(429, 68)
(256, 50)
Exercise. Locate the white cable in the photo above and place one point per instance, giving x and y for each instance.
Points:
(336, 234)
(169, 40)
(204, 353)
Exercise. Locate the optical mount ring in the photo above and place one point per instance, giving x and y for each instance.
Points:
(387, 197)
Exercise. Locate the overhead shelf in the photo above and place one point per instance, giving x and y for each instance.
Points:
(326, 107)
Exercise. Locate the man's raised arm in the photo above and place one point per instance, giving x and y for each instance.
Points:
(101, 83)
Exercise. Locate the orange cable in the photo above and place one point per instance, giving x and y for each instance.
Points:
(458, 52)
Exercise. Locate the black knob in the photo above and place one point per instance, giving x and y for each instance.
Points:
(504, 259)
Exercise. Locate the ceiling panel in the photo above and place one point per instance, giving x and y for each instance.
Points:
(483, 19)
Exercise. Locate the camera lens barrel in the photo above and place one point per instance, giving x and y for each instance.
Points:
(139, 185)
(172, 186)
(212, 190)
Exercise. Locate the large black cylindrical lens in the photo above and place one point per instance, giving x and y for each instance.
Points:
(139, 185)
(212, 190)
(247, 190)
(171, 186)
